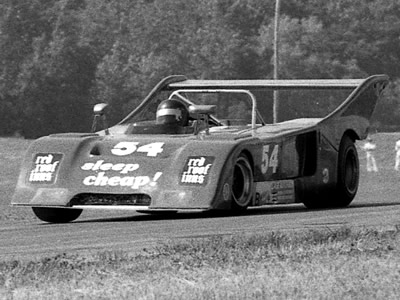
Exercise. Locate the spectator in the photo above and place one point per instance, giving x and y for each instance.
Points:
(397, 149)
(369, 148)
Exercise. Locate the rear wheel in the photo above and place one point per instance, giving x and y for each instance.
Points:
(347, 179)
(348, 173)
(56, 215)
(242, 185)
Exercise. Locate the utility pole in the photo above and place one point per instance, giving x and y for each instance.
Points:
(276, 61)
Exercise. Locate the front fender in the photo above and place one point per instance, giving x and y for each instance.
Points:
(189, 173)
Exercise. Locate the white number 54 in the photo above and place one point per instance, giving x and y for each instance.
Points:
(270, 158)
(126, 148)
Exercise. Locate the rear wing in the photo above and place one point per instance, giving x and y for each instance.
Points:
(281, 84)
(361, 101)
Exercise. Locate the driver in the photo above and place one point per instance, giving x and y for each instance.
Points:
(172, 112)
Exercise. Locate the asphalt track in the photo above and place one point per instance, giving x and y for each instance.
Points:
(135, 232)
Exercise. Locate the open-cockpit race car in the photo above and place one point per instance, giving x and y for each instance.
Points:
(207, 145)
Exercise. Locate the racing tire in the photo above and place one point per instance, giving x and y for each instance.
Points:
(348, 173)
(347, 180)
(242, 184)
(56, 215)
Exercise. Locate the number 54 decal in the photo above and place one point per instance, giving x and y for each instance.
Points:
(126, 148)
(270, 158)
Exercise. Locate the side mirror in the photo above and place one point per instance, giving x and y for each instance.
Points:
(99, 111)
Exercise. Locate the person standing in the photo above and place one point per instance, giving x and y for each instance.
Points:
(397, 149)
(369, 148)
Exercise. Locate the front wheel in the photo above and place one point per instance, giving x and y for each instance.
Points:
(56, 215)
(242, 185)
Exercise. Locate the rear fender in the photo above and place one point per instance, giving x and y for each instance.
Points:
(355, 112)
(323, 182)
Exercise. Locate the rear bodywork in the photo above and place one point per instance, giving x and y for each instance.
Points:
(142, 168)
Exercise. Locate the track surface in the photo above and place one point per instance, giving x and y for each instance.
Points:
(373, 207)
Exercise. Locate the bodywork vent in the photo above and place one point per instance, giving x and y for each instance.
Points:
(111, 199)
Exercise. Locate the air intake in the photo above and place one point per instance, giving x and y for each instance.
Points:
(111, 199)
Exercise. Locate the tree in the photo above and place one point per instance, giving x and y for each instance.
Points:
(164, 38)
(58, 57)
(55, 80)
(20, 24)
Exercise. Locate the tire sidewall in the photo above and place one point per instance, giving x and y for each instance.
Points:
(347, 184)
(243, 162)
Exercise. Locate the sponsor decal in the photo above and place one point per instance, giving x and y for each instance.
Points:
(101, 178)
(100, 165)
(275, 192)
(45, 167)
(196, 170)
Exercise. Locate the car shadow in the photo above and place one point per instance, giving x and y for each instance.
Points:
(254, 211)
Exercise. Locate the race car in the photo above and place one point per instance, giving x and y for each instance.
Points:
(208, 145)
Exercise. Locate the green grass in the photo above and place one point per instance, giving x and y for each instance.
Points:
(321, 264)
(11, 153)
(339, 264)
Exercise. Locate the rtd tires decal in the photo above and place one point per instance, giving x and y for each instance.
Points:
(45, 167)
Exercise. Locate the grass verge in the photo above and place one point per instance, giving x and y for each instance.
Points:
(328, 264)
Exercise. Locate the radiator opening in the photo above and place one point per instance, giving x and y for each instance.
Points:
(111, 199)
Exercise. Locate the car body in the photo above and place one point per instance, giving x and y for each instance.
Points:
(213, 163)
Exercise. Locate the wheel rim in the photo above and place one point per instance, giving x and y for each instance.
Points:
(242, 182)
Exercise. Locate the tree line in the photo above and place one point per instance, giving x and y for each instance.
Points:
(59, 57)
